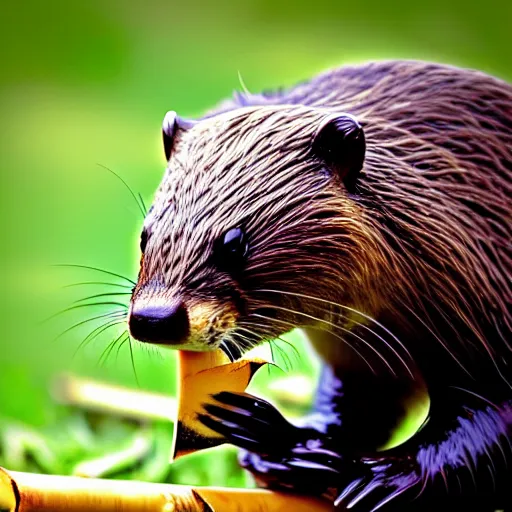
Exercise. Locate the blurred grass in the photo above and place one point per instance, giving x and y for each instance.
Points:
(87, 83)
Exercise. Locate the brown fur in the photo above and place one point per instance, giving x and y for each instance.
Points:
(424, 246)
(409, 274)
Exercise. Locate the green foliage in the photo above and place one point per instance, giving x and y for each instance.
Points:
(101, 446)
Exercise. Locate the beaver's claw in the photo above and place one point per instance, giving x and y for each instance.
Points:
(278, 453)
(251, 423)
(384, 481)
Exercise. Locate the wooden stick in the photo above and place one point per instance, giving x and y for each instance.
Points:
(111, 399)
(27, 492)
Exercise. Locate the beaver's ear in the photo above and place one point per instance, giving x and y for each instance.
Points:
(340, 143)
(172, 122)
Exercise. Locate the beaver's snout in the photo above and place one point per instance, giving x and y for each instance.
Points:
(167, 324)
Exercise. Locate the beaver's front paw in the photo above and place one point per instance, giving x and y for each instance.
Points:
(250, 423)
(387, 480)
(279, 454)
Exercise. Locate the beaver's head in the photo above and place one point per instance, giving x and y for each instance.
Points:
(253, 230)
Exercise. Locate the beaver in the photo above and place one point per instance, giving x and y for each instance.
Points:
(371, 207)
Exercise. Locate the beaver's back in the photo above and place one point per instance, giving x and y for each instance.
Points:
(465, 112)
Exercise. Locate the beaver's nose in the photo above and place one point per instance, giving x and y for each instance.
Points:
(160, 324)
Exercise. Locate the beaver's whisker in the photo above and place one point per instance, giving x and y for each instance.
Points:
(364, 315)
(250, 343)
(252, 338)
(103, 327)
(266, 332)
(108, 350)
(96, 332)
(286, 342)
(352, 310)
(102, 283)
(115, 314)
(343, 340)
(144, 209)
(150, 349)
(71, 308)
(141, 207)
(108, 272)
(243, 341)
(120, 345)
(154, 350)
(272, 338)
(247, 329)
(286, 360)
(350, 333)
(101, 295)
(224, 346)
(282, 351)
(476, 395)
(262, 337)
(271, 347)
(381, 338)
(130, 339)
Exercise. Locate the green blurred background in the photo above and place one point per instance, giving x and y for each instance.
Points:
(88, 83)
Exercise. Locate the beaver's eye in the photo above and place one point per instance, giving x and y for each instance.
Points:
(143, 240)
(230, 250)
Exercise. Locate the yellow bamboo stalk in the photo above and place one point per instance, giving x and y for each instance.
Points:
(27, 492)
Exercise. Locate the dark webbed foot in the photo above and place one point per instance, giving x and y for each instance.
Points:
(385, 480)
(279, 454)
